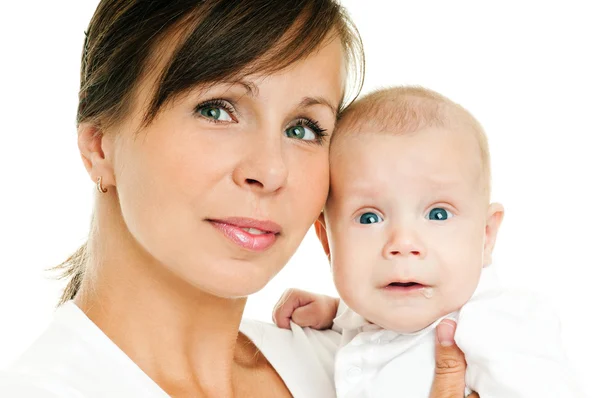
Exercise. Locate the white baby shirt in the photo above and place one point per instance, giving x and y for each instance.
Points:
(511, 342)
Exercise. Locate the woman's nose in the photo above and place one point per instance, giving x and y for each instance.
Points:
(263, 168)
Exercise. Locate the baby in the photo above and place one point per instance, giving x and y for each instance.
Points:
(409, 231)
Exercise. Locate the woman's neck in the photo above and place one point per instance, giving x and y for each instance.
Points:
(170, 329)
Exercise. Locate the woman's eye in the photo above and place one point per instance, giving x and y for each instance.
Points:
(300, 133)
(439, 214)
(369, 218)
(215, 113)
(306, 129)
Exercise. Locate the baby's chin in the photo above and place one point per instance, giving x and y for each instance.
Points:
(406, 327)
(411, 312)
(404, 320)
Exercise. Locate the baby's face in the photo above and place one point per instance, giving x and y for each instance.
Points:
(406, 223)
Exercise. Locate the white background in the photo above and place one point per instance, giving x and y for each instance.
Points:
(527, 70)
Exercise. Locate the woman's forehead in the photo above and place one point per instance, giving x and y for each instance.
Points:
(324, 69)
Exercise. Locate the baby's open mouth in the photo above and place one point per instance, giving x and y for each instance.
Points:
(404, 288)
(404, 284)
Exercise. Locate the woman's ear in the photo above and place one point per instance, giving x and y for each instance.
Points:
(495, 215)
(321, 230)
(93, 145)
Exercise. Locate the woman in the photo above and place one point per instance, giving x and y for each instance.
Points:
(205, 126)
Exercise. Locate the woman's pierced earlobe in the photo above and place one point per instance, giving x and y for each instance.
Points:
(99, 186)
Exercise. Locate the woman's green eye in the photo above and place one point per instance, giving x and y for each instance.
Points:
(439, 214)
(300, 133)
(369, 218)
(215, 113)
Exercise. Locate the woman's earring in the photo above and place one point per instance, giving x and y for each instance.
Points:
(99, 186)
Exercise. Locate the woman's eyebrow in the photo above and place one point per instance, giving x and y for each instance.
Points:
(251, 88)
(311, 101)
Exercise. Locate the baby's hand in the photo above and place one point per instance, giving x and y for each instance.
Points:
(305, 309)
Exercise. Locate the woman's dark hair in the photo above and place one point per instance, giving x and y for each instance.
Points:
(215, 40)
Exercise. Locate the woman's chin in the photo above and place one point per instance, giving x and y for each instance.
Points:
(232, 290)
(229, 280)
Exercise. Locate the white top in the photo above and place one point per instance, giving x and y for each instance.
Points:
(74, 359)
(511, 342)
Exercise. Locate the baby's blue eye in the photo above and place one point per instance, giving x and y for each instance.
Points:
(439, 214)
(369, 218)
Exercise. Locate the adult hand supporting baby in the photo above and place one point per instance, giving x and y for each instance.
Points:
(450, 365)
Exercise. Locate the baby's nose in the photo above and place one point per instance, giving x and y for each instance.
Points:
(403, 246)
(405, 252)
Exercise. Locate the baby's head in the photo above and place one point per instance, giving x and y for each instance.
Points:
(409, 224)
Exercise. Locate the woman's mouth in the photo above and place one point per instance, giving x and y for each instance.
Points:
(255, 231)
(248, 233)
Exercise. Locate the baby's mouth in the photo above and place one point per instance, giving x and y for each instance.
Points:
(404, 284)
(405, 288)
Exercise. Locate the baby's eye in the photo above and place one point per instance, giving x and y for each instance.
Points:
(300, 133)
(369, 218)
(439, 214)
(215, 113)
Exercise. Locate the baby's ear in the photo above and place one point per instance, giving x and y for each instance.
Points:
(321, 230)
(494, 218)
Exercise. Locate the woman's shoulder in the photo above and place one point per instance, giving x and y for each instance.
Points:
(15, 385)
(73, 358)
(303, 357)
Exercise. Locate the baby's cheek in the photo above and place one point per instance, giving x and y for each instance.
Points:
(458, 290)
(344, 278)
(459, 272)
(349, 282)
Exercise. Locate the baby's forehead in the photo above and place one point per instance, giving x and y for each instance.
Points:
(384, 168)
(409, 111)
(433, 162)
(432, 150)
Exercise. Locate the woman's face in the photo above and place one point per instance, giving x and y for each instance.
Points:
(223, 185)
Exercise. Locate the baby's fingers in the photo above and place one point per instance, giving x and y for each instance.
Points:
(309, 316)
(287, 304)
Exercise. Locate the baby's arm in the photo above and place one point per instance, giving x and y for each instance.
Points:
(306, 309)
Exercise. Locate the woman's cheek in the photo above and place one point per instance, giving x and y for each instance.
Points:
(313, 184)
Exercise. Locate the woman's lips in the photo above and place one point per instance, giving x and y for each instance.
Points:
(250, 234)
